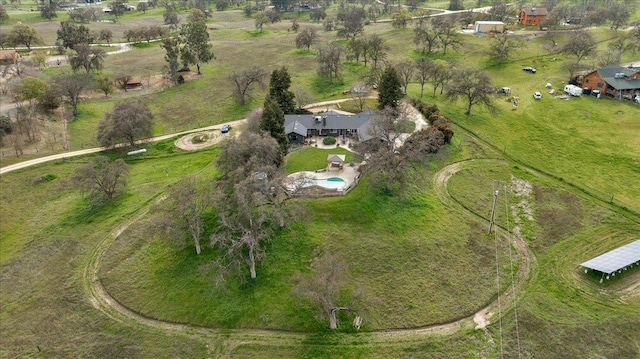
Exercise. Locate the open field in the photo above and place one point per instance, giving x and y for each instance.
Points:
(568, 177)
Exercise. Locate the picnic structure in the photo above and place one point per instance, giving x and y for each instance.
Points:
(615, 261)
(335, 162)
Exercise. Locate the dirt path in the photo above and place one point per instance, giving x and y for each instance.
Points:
(223, 342)
(528, 263)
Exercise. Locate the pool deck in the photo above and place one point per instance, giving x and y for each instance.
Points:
(347, 173)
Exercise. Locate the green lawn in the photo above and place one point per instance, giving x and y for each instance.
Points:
(311, 158)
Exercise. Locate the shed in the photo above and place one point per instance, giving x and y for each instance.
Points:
(488, 26)
(9, 57)
(134, 83)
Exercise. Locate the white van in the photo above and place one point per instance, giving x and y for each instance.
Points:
(573, 90)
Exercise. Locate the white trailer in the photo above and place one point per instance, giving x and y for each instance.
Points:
(573, 90)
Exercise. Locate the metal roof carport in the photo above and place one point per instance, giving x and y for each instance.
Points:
(615, 260)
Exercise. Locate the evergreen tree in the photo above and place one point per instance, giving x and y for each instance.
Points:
(273, 123)
(389, 91)
(197, 49)
(279, 91)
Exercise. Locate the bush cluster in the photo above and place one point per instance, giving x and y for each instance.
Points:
(329, 140)
(435, 118)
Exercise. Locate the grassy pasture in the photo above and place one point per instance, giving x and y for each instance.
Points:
(396, 247)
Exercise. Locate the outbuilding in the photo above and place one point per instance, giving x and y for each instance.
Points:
(480, 27)
(9, 57)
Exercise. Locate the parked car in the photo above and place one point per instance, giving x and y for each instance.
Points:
(529, 69)
(225, 129)
(537, 95)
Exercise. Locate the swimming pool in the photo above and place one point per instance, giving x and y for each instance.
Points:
(329, 183)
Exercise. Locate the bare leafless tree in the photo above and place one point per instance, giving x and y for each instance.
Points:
(71, 86)
(580, 44)
(183, 211)
(302, 96)
(102, 178)
(329, 59)
(243, 81)
(387, 159)
(130, 120)
(307, 37)
(326, 285)
(502, 47)
(473, 86)
(422, 73)
(405, 70)
(359, 93)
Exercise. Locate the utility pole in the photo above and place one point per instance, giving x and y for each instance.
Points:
(493, 210)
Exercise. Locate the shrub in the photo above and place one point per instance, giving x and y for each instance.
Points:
(329, 140)
(46, 178)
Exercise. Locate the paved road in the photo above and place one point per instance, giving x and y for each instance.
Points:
(59, 156)
(419, 124)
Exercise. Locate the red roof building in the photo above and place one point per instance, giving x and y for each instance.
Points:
(532, 16)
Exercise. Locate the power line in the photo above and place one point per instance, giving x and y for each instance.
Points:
(495, 197)
(513, 283)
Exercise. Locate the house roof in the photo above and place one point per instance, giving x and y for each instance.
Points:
(489, 23)
(336, 158)
(329, 120)
(535, 11)
(295, 127)
(630, 81)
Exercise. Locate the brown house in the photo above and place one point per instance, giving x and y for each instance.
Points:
(615, 81)
(9, 57)
(532, 16)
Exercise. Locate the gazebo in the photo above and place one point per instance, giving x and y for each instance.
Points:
(335, 162)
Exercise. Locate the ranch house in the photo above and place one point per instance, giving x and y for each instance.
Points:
(614, 81)
(299, 128)
(532, 16)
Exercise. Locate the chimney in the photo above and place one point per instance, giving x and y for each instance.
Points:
(324, 121)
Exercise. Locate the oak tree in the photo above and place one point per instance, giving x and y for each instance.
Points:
(130, 120)
(71, 86)
(21, 34)
(102, 178)
(182, 212)
(243, 81)
(473, 86)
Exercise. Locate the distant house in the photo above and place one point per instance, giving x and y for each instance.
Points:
(9, 57)
(488, 26)
(532, 16)
(330, 123)
(615, 81)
